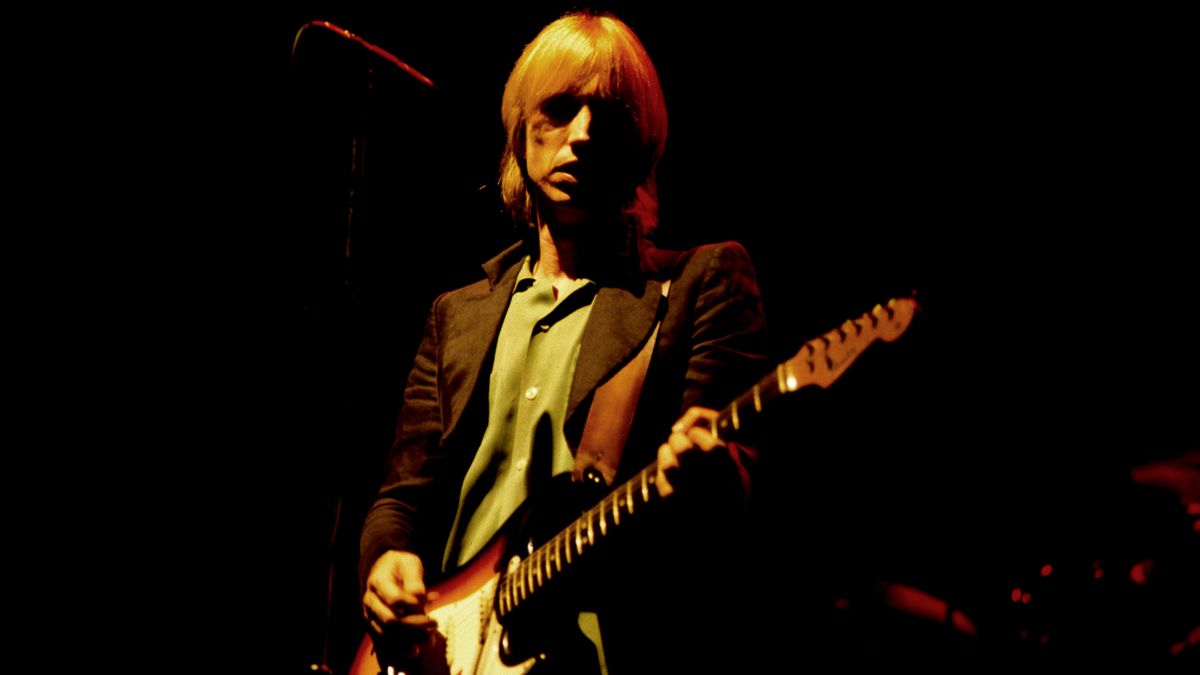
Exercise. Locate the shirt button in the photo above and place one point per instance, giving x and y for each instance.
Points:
(531, 393)
(520, 465)
(543, 327)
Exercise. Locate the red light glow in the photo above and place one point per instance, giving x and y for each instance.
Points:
(962, 623)
(1140, 571)
(918, 603)
(1047, 569)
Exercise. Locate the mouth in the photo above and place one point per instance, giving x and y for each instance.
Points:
(570, 172)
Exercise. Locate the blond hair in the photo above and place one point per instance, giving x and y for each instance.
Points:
(583, 47)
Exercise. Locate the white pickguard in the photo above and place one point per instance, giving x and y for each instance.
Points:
(473, 634)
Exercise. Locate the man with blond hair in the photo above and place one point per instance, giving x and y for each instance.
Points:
(504, 390)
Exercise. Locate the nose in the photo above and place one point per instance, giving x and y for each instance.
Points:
(580, 128)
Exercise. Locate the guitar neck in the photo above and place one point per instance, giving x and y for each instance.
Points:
(576, 541)
(819, 362)
(733, 418)
(621, 506)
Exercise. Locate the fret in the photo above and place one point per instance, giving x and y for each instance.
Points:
(629, 497)
(603, 519)
(645, 488)
(616, 510)
(591, 538)
(790, 383)
(578, 540)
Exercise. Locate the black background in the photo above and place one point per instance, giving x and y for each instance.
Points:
(1024, 173)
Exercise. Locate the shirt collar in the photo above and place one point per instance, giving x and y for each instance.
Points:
(525, 279)
(524, 275)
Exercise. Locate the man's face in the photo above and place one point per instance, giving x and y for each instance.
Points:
(577, 154)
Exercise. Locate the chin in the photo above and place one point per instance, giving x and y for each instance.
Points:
(568, 213)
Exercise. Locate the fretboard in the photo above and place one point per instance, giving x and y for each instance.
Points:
(620, 507)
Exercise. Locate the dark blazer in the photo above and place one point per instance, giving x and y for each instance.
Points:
(710, 347)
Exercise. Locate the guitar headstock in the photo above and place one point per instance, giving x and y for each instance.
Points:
(823, 359)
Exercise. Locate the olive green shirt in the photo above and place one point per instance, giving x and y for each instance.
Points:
(524, 443)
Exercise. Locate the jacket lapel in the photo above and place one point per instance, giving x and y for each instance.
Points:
(469, 334)
(621, 320)
(620, 323)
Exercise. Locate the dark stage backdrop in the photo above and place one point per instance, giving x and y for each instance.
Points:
(1023, 174)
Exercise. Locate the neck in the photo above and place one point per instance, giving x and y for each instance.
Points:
(557, 254)
(590, 247)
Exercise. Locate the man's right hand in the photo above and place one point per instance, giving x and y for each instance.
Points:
(395, 597)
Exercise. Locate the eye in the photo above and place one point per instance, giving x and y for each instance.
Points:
(561, 108)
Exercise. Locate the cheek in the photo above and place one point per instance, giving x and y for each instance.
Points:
(531, 156)
(531, 151)
(538, 152)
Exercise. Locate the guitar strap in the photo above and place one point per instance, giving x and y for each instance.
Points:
(611, 415)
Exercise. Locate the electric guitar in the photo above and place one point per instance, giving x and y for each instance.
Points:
(474, 607)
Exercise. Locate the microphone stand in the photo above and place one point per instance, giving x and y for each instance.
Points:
(358, 146)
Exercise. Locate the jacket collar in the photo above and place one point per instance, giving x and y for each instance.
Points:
(625, 311)
(496, 267)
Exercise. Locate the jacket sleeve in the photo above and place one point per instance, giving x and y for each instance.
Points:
(729, 342)
(415, 459)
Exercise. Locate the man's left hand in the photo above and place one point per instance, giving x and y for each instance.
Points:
(693, 430)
